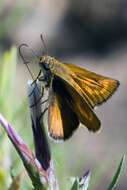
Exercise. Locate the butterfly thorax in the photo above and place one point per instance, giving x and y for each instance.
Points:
(53, 67)
(47, 64)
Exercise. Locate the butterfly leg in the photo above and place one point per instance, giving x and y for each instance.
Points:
(39, 99)
(38, 76)
(41, 78)
(45, 108)
(42, 114)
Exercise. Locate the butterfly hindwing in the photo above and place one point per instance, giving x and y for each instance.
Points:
(81, 108)
(62, 120)
(66, 109)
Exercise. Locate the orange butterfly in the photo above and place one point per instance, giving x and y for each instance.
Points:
(73, 93)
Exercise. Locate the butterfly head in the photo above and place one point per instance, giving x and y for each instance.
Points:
(46, 63)
(47, 66)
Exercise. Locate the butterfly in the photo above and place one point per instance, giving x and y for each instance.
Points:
(73, 94)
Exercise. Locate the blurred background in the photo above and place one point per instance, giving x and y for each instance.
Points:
(92, 34)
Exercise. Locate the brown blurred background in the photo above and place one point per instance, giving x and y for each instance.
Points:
(92, 34)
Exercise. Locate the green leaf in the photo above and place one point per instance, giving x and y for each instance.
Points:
(8, 67)
(75, 185)
(7, 78)
(8, 62)
(117, 175)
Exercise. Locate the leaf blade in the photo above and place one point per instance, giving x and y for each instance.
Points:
(75, 185)
(117, 174)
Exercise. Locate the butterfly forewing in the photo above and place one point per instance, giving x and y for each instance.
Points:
(96, 88)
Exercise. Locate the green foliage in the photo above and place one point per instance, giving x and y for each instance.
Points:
(85, 185)
(7, 77)
(7, 73)
(117, 174)
(14, 112)
(75, 185)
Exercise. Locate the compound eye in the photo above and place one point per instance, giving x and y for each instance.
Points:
(45, 66)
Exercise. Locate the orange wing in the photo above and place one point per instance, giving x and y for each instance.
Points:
(95, 88)
(78, 90)
(66, 109)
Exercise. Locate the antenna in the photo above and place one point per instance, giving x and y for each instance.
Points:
(26, 61)
(44, 44)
